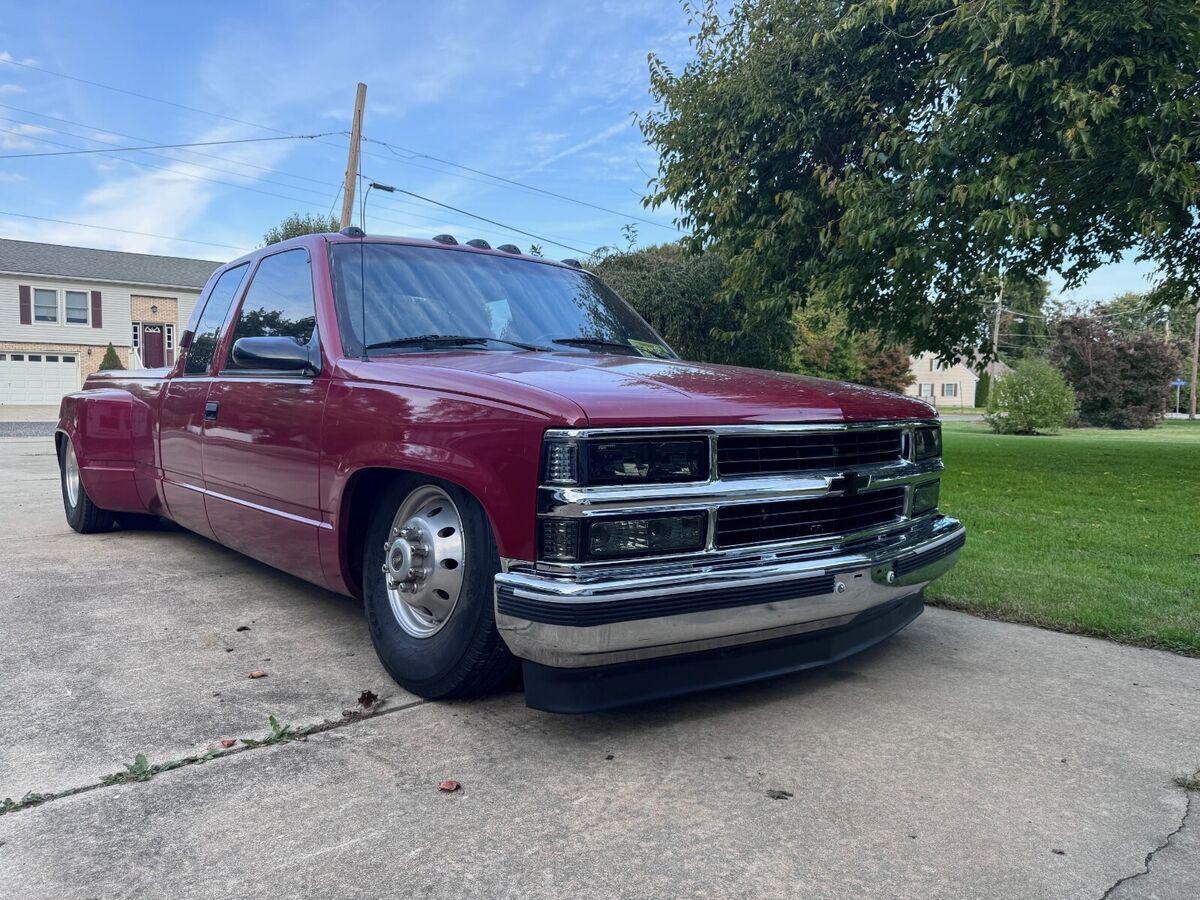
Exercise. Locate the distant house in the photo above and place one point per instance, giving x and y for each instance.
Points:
(943, 386)
(60, 307)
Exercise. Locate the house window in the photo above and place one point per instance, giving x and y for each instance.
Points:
(170, 337)
(35, 357)
(68, 359)
(3, 357)
(45, 305)
(949, 390)
(76, 307)
(926, 390)
(137, 335)
(18, 357)
(51, 359)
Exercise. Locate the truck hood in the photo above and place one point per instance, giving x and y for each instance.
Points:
(624, 390)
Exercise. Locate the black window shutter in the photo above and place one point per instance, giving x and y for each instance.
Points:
(25, 295)
(97, 313)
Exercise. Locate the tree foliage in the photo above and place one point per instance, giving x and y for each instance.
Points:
(827, 348)
(297, 224)
(110, 361)
(1031, 399)
(681, 295)
(890, 157)
(1120, 382)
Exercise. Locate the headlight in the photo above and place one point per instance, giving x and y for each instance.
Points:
(927, 443)
(607, 539)
(925, 497)
(615, 462)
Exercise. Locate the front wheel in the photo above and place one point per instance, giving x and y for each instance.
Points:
(82, 514)
(428, 566)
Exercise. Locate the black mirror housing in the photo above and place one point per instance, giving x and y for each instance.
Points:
(275, 354)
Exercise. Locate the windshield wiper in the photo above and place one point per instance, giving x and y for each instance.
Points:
(583, 341)
(449, 340)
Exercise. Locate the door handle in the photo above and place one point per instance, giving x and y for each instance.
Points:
(210, 410)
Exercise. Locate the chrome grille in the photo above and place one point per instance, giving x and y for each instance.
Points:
(767, 523)
(775, 454)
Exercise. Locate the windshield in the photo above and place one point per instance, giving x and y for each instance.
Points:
(478, 302)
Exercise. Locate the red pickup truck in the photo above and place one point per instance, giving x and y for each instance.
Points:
(517, 475)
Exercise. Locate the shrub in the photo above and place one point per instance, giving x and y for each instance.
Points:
(111, 360)
(1120, 381)
(983, 388)
(1033, 398)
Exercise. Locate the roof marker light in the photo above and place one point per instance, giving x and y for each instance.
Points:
(479, 243)
(445, 239)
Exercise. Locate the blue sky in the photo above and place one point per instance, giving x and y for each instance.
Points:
(540, 92)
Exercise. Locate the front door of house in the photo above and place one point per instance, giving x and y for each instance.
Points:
(153, 354)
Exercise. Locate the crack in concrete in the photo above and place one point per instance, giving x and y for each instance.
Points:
(1150, 856)
(34, 799)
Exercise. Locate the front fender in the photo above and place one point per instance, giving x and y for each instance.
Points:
(485, 446)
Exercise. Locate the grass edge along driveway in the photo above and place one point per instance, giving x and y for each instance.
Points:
(1090, 531)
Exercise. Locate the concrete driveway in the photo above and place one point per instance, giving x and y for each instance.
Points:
(962, 758)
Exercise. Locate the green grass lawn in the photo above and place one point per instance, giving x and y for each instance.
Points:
(1091, 531)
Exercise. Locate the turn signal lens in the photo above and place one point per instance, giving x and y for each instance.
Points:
(927, 443)
(925, 497)
(616, 538)
(560, 540)
(562, 464)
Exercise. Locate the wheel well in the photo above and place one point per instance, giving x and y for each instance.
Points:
(358, 500)
(59, 439)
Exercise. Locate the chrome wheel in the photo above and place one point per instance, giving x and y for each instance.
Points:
(71, 475)
(423, 561)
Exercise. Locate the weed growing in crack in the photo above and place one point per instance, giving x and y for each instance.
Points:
(280, 734)
(1189, 782)
(8, 804)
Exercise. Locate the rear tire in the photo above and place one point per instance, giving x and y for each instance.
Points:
(431, 614)
(82, 514)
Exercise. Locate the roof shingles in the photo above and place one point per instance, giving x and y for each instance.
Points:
(30, 258)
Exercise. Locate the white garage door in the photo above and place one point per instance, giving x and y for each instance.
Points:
(37, 377)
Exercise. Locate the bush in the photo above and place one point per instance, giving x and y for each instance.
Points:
(1120, 381)
(1033, 398)
(111, 360)
(983, 388)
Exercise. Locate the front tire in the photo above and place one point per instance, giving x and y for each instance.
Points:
(82, 514)
(428, 566)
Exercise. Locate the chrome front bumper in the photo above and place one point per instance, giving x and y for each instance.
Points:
(572, 623)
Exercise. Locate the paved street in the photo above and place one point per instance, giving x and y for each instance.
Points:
(962, 758)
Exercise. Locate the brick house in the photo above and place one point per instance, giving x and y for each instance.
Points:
(60, 307)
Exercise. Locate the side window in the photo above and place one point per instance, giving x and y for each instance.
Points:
(279, 302)
(208, 329)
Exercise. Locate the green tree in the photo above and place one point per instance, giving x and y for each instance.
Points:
(1033, 398)
(889, 157)
(111, 360)
(297, 224)
(681, 295)
(1024, 326)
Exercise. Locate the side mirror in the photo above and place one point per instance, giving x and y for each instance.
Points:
(277, 354)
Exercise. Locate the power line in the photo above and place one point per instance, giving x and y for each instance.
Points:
(463, 212)
(135, 137)
(165, 237)
(290, 137)
(399, 151)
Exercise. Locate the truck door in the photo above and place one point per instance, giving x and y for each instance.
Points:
(181, 416)
(262, 438)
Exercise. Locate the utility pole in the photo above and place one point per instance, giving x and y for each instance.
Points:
(1195, 361)
(996, 328)
(360, 101)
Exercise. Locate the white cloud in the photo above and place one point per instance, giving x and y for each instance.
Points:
(11, 89)
(600, 137)
(18, 137)
(11, 178)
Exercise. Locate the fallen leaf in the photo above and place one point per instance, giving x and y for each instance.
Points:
(780, 795)
(367, 699)
(257, 673)
(228, 742)
(449, 786)
(243, 628)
